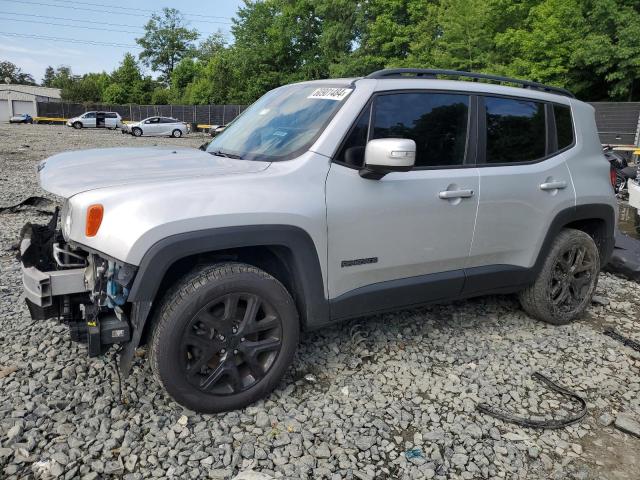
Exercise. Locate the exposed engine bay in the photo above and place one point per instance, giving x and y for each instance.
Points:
(82, 289)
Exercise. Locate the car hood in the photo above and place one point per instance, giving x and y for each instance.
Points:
(69, 173)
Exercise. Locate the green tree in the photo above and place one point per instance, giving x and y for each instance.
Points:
(465, 42)
(211, 46)
(63, 77)
(88, 88)
(11, 72)
(611, 48)
(166, 41)
(49, 76)
(185, 72)
(115, 94)
(128, 72)
(543, 46)
(160, 96)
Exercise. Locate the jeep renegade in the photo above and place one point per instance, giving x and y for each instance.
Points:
(323, 201)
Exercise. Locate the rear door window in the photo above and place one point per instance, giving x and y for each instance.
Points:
(516, 130)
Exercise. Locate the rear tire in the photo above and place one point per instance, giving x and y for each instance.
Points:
(176, 133)
(566, 283)
(77, 125)
(136, 132)
(224, 337)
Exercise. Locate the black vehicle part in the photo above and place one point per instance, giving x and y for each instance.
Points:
(625, 259)
(529, 422)
(43, 313)
(70, 314)
(430, 73)
(94, 345)
(39, 204)
(223, 337)
(78, 331)
(609, 332)
(39, 254)
(563, 289)
(104, 331)
(114, 330)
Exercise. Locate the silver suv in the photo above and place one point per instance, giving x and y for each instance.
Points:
(323, 201)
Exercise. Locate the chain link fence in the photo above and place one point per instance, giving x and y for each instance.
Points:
(199, 114)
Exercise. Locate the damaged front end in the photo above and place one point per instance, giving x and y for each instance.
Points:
(82, 289)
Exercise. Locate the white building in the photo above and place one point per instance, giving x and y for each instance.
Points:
(15, 99)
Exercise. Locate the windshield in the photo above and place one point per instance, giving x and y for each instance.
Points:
(281, 125)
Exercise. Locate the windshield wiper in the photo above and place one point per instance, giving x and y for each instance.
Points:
(220, 153)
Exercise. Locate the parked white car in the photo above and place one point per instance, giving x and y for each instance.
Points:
(111, 120)
(157, 126)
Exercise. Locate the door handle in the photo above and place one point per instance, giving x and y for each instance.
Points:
(555, 185)
(449, 194)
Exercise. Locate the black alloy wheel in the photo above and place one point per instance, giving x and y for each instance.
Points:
(565, 284)
(230, 344)
(572, 277)
(223, 337)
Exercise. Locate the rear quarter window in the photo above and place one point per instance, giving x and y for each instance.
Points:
(564, 125)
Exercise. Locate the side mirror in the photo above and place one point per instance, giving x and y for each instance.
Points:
(386, 155)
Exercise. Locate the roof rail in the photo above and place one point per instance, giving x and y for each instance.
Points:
(435, 73)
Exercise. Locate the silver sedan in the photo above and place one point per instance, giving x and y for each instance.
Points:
(157, 126)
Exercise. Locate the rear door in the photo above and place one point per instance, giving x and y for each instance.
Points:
(101, 118)
(524, 183)
(111, 119)
(394, 232)
(167, 125)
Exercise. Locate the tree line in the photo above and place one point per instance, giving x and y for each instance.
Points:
(591, 47)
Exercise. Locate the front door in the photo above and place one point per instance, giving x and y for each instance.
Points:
(409, 229)
(152, 126)
(89, 120)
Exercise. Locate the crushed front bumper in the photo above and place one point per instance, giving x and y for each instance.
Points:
(64, 285)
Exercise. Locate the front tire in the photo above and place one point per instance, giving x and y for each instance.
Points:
(224, 337)
(176, 133)
(566, 283)
(77, 125)
(136, 132)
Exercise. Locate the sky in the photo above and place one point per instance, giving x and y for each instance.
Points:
(59, 32)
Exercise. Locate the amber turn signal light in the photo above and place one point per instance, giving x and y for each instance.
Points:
(94, 219)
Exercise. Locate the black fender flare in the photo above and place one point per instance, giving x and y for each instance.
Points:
(599, 211)
(305, 268)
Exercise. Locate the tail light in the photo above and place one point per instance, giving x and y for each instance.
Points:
(612, 177)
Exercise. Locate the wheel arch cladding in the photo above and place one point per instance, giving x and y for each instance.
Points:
(292, 258)
(597, 220)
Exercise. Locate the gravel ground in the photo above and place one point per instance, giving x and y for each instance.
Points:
(389, 396)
